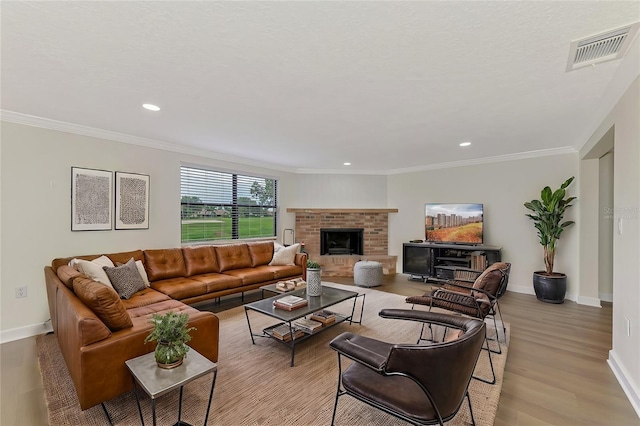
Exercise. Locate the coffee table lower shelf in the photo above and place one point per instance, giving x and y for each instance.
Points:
(268, 332)
(288, 317)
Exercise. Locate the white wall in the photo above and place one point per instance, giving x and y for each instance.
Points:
(340, 191)
(35, 211)
(589, 213)
(334, 191)
(625, 119)
(503, 188)
(605, 228)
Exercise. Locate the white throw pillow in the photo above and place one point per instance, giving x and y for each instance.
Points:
(285, 256)
(93, 269)
(143, 273)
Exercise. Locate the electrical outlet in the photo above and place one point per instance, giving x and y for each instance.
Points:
(21, 292)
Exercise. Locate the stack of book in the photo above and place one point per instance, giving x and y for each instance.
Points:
(325, 317)
(307, 325)
(289, 303)
(478, 261)
(283, 332)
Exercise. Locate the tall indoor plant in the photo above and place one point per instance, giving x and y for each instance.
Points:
(547, 216)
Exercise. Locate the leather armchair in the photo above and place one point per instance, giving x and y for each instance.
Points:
(421, 384)
(475, 296)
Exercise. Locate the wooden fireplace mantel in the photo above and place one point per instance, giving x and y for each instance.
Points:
(315, 210)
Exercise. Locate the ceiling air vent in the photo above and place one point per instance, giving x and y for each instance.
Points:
(601, 47)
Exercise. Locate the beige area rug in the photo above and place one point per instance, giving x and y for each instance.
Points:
(255, 384)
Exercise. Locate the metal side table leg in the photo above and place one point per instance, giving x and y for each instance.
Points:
(213, 384)
(104, 407)
(135, 392)
(180, 422)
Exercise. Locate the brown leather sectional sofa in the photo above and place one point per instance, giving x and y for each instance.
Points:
(97, 331)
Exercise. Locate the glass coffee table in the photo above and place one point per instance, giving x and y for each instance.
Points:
(330, 296)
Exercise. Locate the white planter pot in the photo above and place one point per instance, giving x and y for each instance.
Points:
(314, 283)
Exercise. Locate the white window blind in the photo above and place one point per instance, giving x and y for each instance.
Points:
(223, 206)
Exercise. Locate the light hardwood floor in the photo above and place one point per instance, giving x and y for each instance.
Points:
(556, 371)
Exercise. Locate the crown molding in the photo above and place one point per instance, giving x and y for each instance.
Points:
(487, 160)
(45, 123)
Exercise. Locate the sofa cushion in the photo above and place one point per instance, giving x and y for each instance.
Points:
(67, 274)
(233, 256)
(285, 256)
(145, 297)
(261, 252)
(180, 288)
(252, 275)
(103, 301)
(126, 279)
(123, 257)
(163, 264)
(286, 271)
(216, 282)
(93, 269)
(143, 314)
(200, 260)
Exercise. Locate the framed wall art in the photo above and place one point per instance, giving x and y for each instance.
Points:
(132, 201)
(91, 199)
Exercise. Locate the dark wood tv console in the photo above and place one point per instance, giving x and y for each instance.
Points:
(436, 262)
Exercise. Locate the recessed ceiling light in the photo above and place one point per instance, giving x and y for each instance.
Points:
(347, 164)
(465, 144)
(151, 107)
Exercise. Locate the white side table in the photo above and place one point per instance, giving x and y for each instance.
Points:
(156, 381)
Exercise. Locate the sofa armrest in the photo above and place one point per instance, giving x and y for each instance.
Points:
(301, 260)
(70, 317)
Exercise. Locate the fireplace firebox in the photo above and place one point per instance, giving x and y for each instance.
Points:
(341, 241)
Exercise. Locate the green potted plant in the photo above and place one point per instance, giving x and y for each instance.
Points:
(314, 278)
(172, 334)
(547, 216)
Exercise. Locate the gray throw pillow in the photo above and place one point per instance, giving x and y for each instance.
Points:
(126, 279)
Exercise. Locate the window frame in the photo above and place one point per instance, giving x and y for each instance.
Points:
(237, 191)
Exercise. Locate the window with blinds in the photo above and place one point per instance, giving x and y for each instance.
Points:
(226, 206)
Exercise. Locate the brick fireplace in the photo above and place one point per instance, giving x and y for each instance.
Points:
(375, 226)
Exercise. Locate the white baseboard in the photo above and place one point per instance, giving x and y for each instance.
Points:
(24, 332)
(524, 289)
(589, 301)
(630, 389)
(606, 297)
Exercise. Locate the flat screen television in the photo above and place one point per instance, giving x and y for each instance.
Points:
(453, 223)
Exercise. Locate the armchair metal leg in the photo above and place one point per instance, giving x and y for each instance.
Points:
(338, 391)
(473, 420)
(493, 373)
(495, 326)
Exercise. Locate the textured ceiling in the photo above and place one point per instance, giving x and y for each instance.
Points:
(309, 85)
